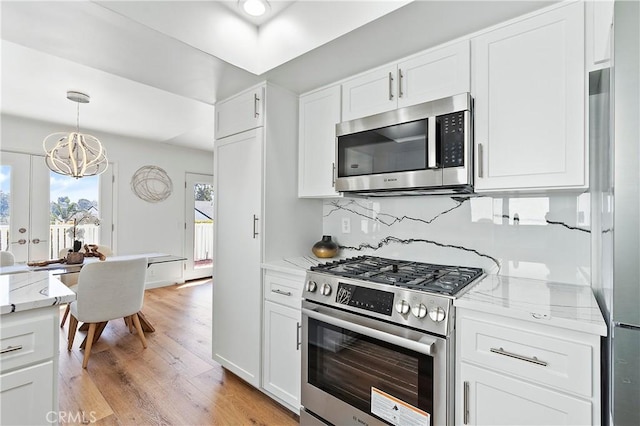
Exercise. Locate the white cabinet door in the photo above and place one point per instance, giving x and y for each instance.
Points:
(319, 114)
(281, 374)
(237, 295)
(528, 84)
(435, 74)
(243, 112)
(370, 93)
(599, 34)
(495, 399)
(28, 395)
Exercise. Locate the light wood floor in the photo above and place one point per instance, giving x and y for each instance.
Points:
(172, 382)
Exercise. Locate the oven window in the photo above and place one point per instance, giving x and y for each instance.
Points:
(398, 148)
(347, 365)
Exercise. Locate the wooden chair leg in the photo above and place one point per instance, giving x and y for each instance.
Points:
(87, 350)
(73, 326)
(66, 313)
(136, 321)
(130, 323)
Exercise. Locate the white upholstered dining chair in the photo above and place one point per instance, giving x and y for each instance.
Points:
(6, 258)
(106, 291)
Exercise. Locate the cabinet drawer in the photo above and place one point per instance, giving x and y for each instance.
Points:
(283, 288)
(538, 357)
(26, 339)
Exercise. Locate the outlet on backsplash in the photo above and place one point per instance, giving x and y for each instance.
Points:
(346, 225)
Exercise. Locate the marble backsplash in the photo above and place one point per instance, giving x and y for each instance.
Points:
(540, 237)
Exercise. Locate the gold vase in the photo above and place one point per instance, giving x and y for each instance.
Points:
(325, 247)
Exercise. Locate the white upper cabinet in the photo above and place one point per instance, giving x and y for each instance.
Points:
(319, 114)
(599, 34)
(528, 84)
(434, 74)
(244, 111)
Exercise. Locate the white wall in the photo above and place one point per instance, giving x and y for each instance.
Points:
(139, 226)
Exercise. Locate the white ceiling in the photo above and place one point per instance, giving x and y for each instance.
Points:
(154, 69)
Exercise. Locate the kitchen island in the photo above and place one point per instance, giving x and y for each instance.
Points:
(30, 309)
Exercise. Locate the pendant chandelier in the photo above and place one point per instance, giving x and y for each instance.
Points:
(75, 154)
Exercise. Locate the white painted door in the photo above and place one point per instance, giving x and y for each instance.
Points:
(198, 238)
(319, 114)
(25, 216)
(495, 399)
(237, 295)
(26, 396)
(435, 74)
(370, 93)
(281, 348)
(240, 113)
(529, 89)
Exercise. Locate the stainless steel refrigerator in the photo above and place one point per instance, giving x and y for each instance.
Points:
(624, 312)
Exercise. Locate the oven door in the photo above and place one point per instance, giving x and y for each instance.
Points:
(361, 371)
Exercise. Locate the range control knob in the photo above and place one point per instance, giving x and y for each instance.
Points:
(437, 314)
(311, 286)
(402, 307)
(325, 289)
(419, 310)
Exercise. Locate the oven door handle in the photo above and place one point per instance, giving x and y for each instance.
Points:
(424, 345)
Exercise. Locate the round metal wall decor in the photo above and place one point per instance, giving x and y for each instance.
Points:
(151, 184)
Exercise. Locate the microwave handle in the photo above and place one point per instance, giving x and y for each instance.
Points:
(423, 346)
(431, 143)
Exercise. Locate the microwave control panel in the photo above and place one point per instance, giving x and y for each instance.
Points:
(451, 132)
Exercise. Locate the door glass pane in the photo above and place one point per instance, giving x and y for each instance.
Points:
(5, 200)
(73, 201)
(203, 226)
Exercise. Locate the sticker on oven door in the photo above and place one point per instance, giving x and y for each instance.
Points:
(397, 412)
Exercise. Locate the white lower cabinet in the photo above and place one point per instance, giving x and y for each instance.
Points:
(282, 338)
(516, 372)
(497, 399)
(29, 367)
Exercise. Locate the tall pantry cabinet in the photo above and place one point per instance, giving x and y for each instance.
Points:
(258, 216)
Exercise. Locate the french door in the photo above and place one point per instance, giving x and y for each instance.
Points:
(198, 238)
(25, 215)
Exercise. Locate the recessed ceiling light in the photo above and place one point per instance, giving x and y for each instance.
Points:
(255, 7)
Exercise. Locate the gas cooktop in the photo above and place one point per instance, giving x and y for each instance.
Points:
(427, 277)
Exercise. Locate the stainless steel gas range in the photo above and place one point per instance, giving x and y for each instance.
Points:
(378, 341)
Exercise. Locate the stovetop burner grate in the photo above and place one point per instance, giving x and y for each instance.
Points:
(419, 276)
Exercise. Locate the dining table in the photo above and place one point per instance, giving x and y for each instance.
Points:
(60, 269)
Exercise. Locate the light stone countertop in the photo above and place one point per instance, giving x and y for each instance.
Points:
(562, 305)
(32, 290)
(296, 265)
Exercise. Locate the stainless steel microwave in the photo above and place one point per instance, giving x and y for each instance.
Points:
(424, 148)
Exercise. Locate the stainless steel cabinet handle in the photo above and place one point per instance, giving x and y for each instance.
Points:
(333, 174)
(10, 349)
(256, 99)
(36, 241)
(284, 293)
(400, 83)
(255, 222)
(21, 241)
(298, 340)
(390, 86)
(465, 407)
(22, 230)
(480, 160)
(533, 360)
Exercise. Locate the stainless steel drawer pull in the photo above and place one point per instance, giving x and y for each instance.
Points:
(255, 223)
(390, 86)
(466, 403)
(10, 349)
(298, 340)
(400, 83)
(256, 99)
(533, 360)
(333, 174)
(284, 293)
